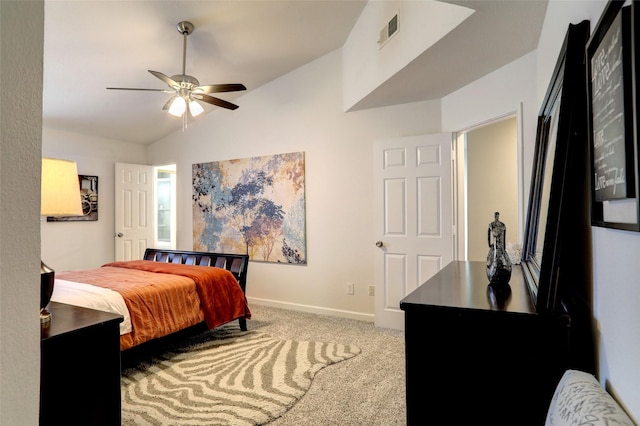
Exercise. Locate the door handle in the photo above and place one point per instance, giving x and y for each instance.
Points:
(119, 235)
(379, 243)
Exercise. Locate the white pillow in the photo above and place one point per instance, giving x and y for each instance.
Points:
(580, 400)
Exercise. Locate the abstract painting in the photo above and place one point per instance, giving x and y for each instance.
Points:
(253, 206)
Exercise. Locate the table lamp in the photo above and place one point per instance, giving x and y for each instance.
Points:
(59, 196)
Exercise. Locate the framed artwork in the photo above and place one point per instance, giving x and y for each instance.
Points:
(253, 206)
(89, 197)
(611, 72)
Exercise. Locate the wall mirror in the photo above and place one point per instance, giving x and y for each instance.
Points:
(558, 192)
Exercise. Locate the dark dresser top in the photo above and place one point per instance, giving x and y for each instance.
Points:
(464, 285)
(68, 318)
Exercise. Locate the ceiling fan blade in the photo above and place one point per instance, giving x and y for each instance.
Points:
(166, 79)
(217, 88)
(147, 90)
(214, 101)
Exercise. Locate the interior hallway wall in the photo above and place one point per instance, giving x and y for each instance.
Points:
(21, 38)
(492, 183)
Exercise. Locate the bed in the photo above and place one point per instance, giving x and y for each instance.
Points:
(167, 291)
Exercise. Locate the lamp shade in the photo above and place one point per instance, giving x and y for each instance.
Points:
(60, 188)
(178, 106)
(195, 108)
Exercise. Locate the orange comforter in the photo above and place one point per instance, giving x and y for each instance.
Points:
(163, 298)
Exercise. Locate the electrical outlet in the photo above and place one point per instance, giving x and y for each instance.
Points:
(372, 290)
(349, 288)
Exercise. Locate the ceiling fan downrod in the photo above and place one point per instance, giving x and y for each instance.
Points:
(185, 28)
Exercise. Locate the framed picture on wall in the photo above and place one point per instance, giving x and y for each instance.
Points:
(611, 72)
(252, 205)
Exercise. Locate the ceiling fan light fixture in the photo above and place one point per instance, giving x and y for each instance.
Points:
(178, 106)
(195, 108)
(186, 89)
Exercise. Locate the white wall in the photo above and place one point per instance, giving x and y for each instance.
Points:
(21, 37)
(508, 90)
(617, 297)
(302, 111)
(420, 25)
(560, 13)
(82, 245)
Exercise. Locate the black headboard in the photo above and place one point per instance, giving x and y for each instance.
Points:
(237, 264)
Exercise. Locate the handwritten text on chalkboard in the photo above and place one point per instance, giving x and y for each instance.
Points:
(607, 91)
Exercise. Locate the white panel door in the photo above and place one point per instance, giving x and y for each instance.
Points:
(413, 218)
(134, 229)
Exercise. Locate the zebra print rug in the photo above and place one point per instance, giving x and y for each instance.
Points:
(229, 377)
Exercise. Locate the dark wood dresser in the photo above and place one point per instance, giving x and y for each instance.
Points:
(80, 367)
(479, 356)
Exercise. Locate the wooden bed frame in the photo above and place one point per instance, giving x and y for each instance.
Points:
(237, 264)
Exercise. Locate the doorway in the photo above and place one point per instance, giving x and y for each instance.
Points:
(413, 218)
(145, 209)
(487, 180)
(165, 206)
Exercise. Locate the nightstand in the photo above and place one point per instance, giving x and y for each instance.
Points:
(80, 367)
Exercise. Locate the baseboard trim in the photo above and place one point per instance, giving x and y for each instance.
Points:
(312, 309)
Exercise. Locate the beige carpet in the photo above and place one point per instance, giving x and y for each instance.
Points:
(224, 377)
(366, 390)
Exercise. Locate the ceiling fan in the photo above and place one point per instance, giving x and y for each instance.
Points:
(186, 89)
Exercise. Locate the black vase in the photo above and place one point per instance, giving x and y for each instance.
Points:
(47, 279)
(498, 262)
(498, 266)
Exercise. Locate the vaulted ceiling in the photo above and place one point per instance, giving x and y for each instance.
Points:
(91, 45)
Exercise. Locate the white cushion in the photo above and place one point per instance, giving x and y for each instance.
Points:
(580, 400)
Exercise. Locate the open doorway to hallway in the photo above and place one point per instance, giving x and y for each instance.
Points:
(487, 181)
(165, 206)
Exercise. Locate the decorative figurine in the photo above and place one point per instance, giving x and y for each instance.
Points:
(498, 263)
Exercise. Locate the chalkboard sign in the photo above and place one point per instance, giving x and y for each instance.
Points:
(611, 125)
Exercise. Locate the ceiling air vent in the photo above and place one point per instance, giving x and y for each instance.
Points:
(388, 31)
